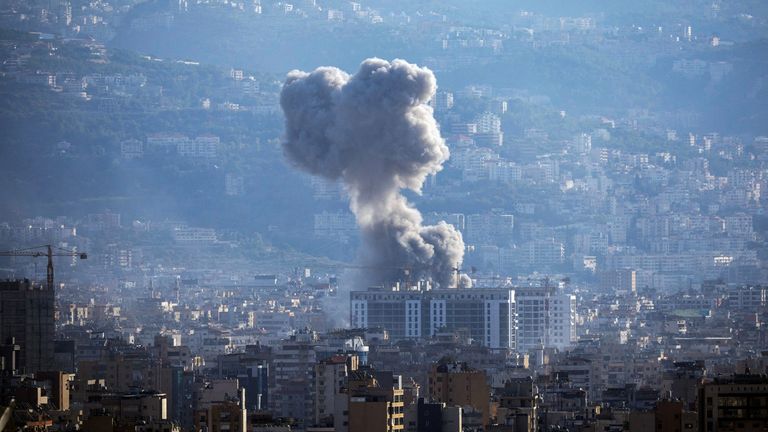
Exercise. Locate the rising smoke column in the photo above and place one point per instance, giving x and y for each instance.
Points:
(374, 131)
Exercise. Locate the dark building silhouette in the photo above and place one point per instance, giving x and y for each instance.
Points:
(27, 315)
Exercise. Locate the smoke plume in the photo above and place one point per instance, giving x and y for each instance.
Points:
(374, 131)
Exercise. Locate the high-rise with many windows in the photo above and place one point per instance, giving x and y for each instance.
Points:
(486, 315)
(27, 315)
(545, 318)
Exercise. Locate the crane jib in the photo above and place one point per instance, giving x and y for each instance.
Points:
(49, 252)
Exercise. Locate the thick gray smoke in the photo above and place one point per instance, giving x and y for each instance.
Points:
(374, 131)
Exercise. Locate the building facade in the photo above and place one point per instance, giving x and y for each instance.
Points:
(459, 385)
(374, 405)
(735, 403)
(27, 315)
(487, 315)
(546, 318)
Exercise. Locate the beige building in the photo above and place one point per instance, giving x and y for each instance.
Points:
(458, 384)
(58, 386)
(375, 406)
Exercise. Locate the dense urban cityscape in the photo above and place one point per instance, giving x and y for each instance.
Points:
(550, 216)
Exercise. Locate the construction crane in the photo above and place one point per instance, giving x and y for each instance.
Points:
(50, 252)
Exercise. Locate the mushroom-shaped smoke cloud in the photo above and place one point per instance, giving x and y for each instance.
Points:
(374, 131)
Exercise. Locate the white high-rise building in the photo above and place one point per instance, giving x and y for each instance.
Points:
(489, 132)
(512, 318)
(546, 317)
(486, 314)
(488, 122)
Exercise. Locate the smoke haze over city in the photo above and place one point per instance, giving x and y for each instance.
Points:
(417, 216)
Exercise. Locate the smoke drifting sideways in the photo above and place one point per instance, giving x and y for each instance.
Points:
(375, 132)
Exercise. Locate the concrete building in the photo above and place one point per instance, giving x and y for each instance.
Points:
(671, 416)
(682, 380)
(486, 314)
(27, 315)
(121, 372)
(437, 417)
(228, 414)
(748, 298)
(58, 386)
(735, 403)
(374, 404)
(623, 280)
(458, 384)
(518, 405)
(293, 366)
(148, 405)
(331, 400)
(546, 318)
